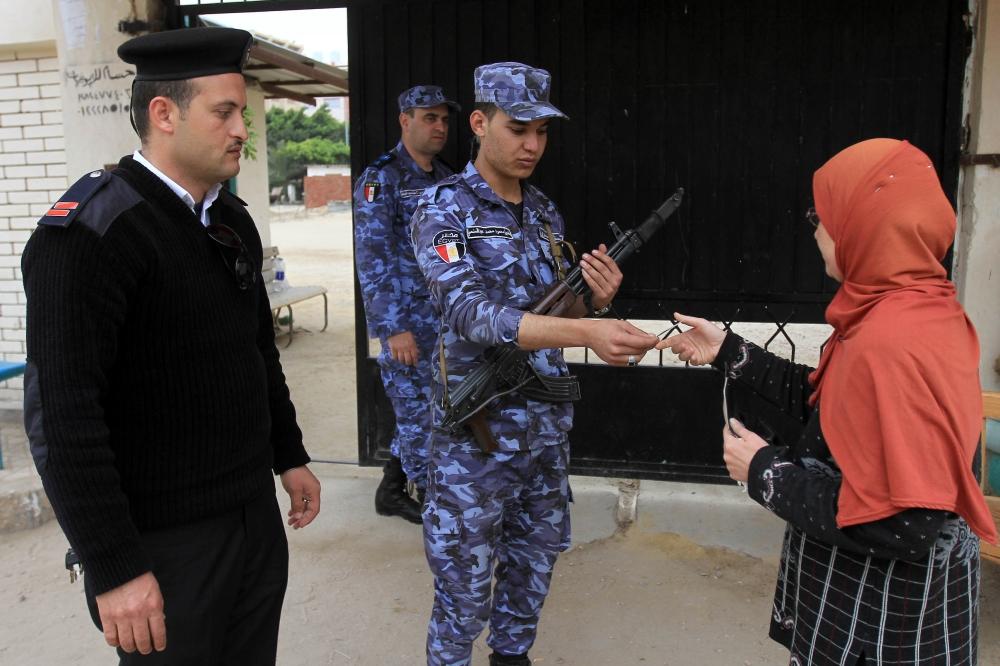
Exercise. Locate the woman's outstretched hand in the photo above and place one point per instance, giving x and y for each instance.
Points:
(697, 346)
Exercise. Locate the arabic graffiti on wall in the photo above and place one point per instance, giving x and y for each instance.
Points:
(100, 90)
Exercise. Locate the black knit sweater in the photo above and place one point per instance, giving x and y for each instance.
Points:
(154, 396)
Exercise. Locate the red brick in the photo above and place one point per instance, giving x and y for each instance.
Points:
(319, 190)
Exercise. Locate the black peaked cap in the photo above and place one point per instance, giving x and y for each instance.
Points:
(187, 53)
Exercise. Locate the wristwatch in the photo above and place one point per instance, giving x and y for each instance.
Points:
(603, 311)
(587, 301)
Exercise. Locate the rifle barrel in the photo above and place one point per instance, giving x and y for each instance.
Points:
(630, 241)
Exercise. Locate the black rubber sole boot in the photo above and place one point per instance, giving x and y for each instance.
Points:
(391, 498)
(497, 659)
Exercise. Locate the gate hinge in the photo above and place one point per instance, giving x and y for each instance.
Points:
(989, 159)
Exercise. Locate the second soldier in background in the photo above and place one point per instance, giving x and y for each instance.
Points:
(397, 304)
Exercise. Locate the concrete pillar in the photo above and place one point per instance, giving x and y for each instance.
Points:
(628, 503)
(96, 84)
(251, 184)
(977, 261)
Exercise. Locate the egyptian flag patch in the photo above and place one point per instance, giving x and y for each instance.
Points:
(450, 245)
(371, 191)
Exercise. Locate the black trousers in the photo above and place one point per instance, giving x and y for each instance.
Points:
(223, 582)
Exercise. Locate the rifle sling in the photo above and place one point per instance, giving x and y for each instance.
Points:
(556, 251)
(443, 366)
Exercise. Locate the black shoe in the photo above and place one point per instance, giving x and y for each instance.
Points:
(497, 659)
(391, 498)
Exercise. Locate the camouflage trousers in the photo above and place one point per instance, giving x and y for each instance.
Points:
(411, 440)
(409, 390)
(504, 515)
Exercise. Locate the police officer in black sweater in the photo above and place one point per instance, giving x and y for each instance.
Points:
(155, 402)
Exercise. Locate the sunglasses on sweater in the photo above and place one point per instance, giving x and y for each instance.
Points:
(242, 267)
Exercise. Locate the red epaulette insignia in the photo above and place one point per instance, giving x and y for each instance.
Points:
(62, 208)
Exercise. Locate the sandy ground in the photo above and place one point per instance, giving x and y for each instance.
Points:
(689, 583)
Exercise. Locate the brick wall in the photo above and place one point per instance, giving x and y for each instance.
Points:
(321, 189)
(32, 176)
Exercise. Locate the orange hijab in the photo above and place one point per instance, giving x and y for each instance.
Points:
(898, 382)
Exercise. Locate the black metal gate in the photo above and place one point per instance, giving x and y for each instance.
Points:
(739, 102)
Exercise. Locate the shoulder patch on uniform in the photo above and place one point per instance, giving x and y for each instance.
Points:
(475, 233)
(62, 212)
(384, 159)
(431, 192)
(371, 190)
(450, 245)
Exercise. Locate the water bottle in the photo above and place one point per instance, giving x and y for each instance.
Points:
(279, 274)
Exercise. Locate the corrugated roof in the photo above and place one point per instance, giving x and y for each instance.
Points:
(287, 74)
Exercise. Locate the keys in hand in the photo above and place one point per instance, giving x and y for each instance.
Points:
(73, 565)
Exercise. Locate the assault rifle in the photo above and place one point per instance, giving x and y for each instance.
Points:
(506, 369)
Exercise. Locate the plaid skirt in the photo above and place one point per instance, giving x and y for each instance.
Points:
(832, 606)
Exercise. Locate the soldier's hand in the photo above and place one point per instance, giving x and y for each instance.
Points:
(617, 342)
(602, 275)
(132, 615)
(697, 346)
(403, 347)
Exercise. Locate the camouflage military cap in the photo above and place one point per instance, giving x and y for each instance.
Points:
(520, 91)
(424, 97)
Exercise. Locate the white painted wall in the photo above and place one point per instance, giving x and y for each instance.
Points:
(977, 262)
(32, 176)
(96, 84)
(25, 23)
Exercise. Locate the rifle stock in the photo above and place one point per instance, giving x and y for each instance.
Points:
(481, 431)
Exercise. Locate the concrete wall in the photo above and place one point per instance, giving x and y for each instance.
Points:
(977, 263)
(96, 84)
(32, 175)
(23, 23)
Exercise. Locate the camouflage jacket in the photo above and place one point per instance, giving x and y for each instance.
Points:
(485, 269)
(393, 290)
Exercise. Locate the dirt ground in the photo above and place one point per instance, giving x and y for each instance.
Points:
(689, 583)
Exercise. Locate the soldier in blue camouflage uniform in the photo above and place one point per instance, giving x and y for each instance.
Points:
(488, 244)
(397, 304)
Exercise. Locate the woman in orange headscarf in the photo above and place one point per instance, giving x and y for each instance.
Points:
(881, 555)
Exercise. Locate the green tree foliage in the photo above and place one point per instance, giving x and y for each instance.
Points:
(317, 151)
(296, 139)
